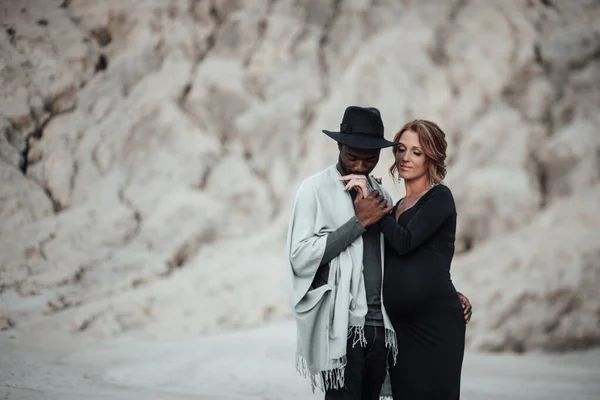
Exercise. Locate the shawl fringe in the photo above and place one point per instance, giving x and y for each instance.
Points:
(334, 378)
(324, 380)
(391, 342)
(357, 333)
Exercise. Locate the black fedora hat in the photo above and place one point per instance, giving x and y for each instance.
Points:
(361, 128)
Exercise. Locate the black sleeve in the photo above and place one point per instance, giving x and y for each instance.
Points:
(433, 211)
(337, 241)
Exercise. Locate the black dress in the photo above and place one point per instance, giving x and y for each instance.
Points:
(421, 300)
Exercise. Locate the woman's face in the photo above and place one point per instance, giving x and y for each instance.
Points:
(410, 159)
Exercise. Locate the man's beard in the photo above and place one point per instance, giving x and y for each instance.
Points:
(346, 170)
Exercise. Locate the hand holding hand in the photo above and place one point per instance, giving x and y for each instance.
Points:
(369, 210)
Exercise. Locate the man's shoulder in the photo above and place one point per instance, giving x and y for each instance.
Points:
(318, 179)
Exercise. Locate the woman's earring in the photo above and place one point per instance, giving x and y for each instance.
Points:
(399, 179)
(431, 182)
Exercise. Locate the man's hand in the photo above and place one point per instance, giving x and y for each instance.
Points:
(371, 209)
(467, 308)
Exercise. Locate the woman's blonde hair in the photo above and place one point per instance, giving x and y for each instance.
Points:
(433, 143)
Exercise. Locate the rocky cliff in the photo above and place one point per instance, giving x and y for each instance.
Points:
(150, 149)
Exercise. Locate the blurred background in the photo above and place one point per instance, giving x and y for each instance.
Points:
(150, 151)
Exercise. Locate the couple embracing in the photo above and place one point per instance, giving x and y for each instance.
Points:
(371, 289)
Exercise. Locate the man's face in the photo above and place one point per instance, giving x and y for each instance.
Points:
(357, 161)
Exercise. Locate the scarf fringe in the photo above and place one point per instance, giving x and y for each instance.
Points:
(334, 378)
(357, 333)
(391, 342)
(386, 398)
(324, 380)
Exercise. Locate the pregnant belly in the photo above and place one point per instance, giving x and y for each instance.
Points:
(411, 286)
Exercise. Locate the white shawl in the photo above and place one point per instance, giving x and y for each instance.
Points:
(328, 315)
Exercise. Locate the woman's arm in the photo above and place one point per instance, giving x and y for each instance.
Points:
(431, 214)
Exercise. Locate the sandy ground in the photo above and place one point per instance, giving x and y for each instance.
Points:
(256, 364)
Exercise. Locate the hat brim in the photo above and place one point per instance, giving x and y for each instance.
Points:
(358, 141)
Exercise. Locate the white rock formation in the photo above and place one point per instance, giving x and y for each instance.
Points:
(150, 151)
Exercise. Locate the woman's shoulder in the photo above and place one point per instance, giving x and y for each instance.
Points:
(443, 189)
(441, 192)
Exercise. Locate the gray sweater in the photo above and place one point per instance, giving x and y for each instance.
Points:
(341, 238)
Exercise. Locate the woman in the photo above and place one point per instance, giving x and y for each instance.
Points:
(421, 300)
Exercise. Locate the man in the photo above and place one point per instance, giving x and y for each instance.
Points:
(336, 258)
